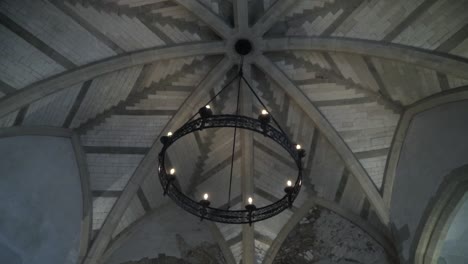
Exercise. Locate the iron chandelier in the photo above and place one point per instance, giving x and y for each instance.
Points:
(262, 125)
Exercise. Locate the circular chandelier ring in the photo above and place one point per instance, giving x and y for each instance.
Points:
(251, 213)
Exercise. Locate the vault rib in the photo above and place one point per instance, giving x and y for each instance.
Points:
(338, 78)
(271, 16)
(444, 63)
(205, 15)
(56, 83)
(146, 166)
(328, 131)
(455, 95)
(241, 15)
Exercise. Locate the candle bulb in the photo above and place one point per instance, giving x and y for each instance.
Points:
(264, 112)
(169, 133)
(250, 200)
(298, 146)
(208, 106)
(205, 196)
(289, 189)
(172, 171)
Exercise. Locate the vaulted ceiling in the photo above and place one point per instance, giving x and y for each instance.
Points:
(337, 74)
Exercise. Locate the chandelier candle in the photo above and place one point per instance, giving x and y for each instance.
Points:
(170, 178)
(204, 203)
(289, 190)
(250, 207)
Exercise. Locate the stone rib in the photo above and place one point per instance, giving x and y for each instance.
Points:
(136, 96)
(146, 17)
(194, 28)
(338, 78)
(297, 20)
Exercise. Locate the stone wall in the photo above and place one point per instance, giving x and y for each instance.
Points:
(170, 231)
(325, 237)
(205, 253)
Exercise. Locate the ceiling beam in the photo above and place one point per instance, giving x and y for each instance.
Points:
(247, 168)
(204, 14)
(132, 229)
(381, 238)
(329, 132)
(271, 16)
(338, 78)
(138, 224)
(146, 167)
(439, 62)
(56, 83)
(241, 15)
(87, 219)
(449, 96)
(222, 243)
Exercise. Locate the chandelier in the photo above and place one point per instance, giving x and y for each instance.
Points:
(262, 125)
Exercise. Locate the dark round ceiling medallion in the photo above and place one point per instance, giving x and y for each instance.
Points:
(243, 47)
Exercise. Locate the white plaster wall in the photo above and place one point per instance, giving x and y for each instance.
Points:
(435, 144)
(40, 201)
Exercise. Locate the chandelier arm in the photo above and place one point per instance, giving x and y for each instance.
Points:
(264, 106)
(241, 75)
(232, 167)
(241, 66)
(234, 141)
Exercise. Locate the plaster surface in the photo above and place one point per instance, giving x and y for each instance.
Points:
(456, 242)
(435, 144)
(322, 236)
(40, 201)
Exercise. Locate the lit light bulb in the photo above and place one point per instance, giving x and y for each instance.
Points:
(172, 171)
(208, 106)
(169, 133)
(264, 112)
(298, 146)
(250, 200)
(289, 183)
(205, 196)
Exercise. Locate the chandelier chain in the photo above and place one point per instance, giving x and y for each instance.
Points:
(234, 141)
